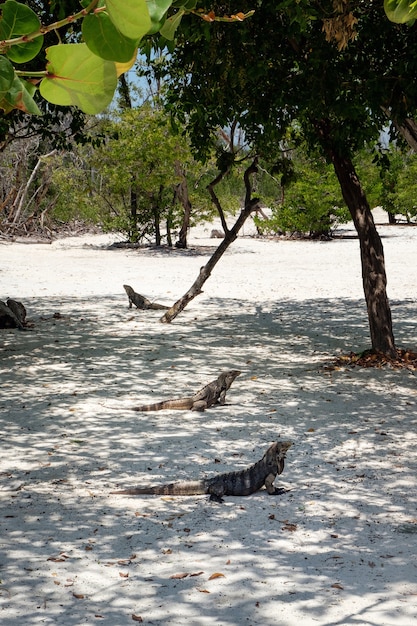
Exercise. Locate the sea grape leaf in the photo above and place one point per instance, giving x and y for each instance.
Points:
(400, 11)
(78, 77)
(171, 25)
(19, 96)
(105, 40)
(17, 19)
(130, 17)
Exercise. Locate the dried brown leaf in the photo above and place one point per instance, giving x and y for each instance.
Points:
(216, 575)
(290, 527)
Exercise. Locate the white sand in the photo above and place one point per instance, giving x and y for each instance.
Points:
(338, 549)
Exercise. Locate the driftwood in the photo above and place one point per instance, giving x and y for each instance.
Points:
(12, 314)
(141, 302)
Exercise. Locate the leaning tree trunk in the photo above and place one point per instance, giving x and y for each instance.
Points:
(372, 256)
(251, 204)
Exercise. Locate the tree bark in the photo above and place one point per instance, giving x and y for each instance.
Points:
(181, 193)
(372, 256)
(251, 204)
(134, 233)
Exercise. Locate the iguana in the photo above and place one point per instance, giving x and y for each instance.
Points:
(239, 483)
(140, 301)
(12, 314)
(213, 393)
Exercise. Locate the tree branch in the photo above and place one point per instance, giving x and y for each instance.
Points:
(251, 204)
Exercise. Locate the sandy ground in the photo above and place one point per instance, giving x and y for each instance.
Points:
(339, 548)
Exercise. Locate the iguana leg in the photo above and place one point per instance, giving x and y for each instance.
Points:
(278, 491)
(214, 498)
(222, 397)
(216, 492)
(270, 487)
(200, 405)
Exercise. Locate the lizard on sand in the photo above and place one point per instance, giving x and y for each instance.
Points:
(238, 483)
(213, 393)
(140, 301)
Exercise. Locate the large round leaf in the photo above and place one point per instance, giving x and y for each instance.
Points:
(78, 77)
(400, 11)
(19, 96)
(23, 52)
(6, 75)
(103, 38)
(17, 19)
(131, 17)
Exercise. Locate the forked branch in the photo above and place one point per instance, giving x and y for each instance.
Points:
(251, 205)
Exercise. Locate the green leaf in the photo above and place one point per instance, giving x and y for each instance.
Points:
(78, 77)
(131, 17)
(104, 40)
(19, 96)
(400, 11)
(171, 25)
(17, 19)
(23, 52)
(157, 9)
(6, 76)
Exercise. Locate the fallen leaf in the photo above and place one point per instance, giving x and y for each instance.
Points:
(123, 575)
(310, 430)
(168, 551)
(180, 576)
(137, 618)
(216, 575)
(337, 586)
(203, 590)
(79, 596)
(289, 527)
(58, 559)
(196, 573)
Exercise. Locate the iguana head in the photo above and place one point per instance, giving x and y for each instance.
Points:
(232, 374)
(276, 454)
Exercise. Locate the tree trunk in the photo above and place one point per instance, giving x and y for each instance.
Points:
(406, 127)
(181, 193)
(372, 256)
(251, 204)
(134, 234)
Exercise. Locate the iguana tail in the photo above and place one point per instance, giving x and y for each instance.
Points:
(181, 403)
(186, 488)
